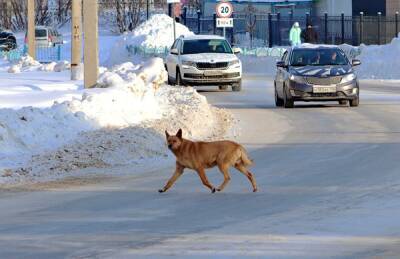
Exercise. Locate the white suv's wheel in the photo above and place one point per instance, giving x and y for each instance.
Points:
(178, 79)
(169, 81)
(237, 87)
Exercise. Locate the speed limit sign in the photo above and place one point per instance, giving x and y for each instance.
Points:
(224, 9)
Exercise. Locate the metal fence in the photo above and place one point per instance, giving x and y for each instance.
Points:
(43, 54)
(163, 52)
(273, 29)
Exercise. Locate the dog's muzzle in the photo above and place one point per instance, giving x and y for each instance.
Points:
(170, 146)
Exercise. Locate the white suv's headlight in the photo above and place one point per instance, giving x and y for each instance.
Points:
(297, 79)
(348, 78)
(235, 62)
(187, 64)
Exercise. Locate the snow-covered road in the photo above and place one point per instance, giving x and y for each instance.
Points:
(328, 178)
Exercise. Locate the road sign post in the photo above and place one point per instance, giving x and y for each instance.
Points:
(224, 12)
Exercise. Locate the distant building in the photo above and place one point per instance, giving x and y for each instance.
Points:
(297, 7)
(354, 7)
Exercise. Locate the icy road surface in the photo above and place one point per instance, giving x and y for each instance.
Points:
(329, 186)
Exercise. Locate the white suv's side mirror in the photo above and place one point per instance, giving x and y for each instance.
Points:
(174, 51)
(236, 50)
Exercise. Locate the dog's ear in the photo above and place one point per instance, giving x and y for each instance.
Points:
(166, 134)
(179, 133)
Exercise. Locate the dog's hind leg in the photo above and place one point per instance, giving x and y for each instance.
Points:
(249, 175)
(178, 172)
(202, 173)
(225, 171)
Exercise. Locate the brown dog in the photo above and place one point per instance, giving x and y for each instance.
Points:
(202, 155)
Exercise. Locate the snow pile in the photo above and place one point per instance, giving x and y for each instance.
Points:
(61, 66)
(121, 124)
(380, 61)
(156, 33)
(27, 63)
(377, 61)
(135, 77)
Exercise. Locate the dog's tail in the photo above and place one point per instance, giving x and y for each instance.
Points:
(245, 158)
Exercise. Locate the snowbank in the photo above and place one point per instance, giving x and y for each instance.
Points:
(28, 64)
(380, 61)
(121, 123)
(377, 61)
(157, 32)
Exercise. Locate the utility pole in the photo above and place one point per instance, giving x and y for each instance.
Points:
(31, 29)
(91, 49)
(76, 38)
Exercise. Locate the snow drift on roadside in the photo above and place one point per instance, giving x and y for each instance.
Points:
(28, 64)
(157, 32)
(380, 61)
(377, 61)
(122, 123)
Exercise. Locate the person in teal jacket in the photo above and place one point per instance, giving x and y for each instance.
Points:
(295, 34)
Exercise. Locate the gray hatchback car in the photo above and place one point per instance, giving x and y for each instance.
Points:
(316, 73)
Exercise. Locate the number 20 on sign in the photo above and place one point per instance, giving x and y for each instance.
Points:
(224, 10)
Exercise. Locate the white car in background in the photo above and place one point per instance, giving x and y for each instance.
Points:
(204, 60)
(47, 37)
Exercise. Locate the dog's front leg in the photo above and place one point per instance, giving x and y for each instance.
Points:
(204, 179)
(178, 172)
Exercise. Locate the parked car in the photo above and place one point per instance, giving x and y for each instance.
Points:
(204, 60)
(47, 37)
(7, 41)
(316, 73)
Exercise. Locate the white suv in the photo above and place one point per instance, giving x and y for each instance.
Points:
(204, 60)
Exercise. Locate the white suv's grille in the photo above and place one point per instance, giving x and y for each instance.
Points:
(207, 65)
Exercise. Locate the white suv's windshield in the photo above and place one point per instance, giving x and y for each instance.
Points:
(206, 46)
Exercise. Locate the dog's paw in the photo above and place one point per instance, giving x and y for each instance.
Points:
(218, 190)
(161, 191)
(213, 190)
(255, 190)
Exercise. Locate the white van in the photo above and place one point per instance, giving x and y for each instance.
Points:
(47, 37)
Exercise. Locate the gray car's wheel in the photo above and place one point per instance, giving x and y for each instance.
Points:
(343, 102)
(223, 87)
(288, 101)
(278, 100)
(237, 87)
(355, 102)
